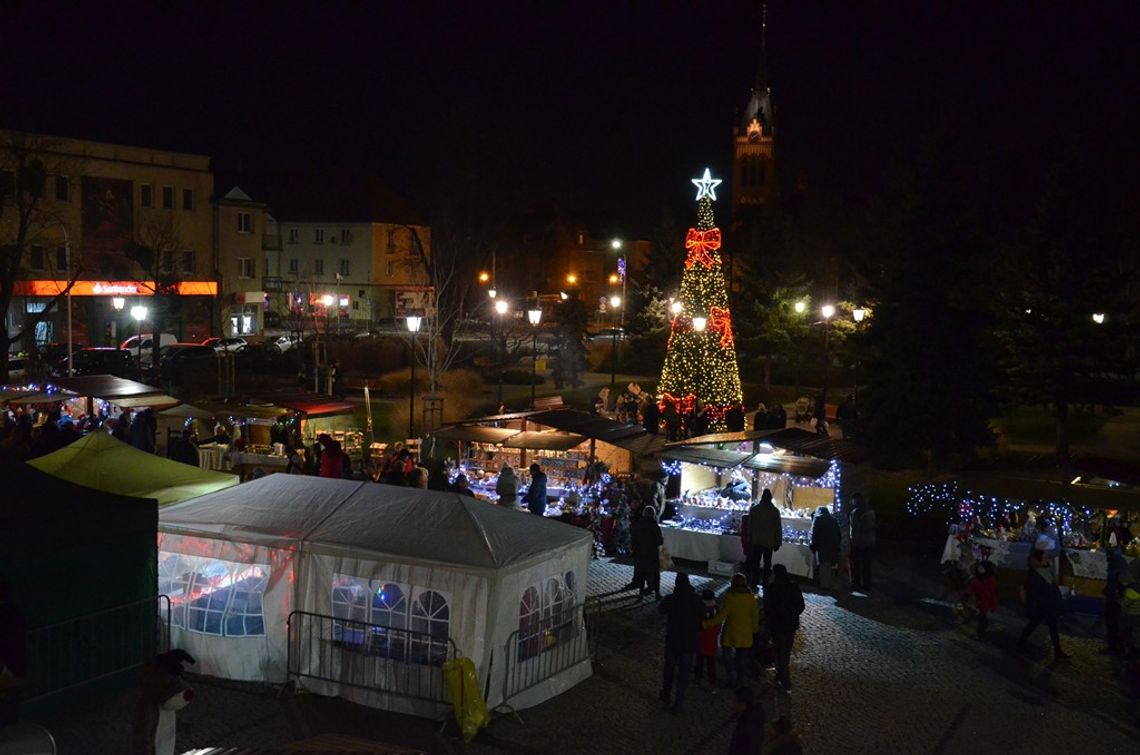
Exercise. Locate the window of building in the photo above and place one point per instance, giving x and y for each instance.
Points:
(62, 189)
(391, 267)
(246, 267)
(36, 260)
(294, 235)
(187, 199)
(212, 596)
(318, 267)
(293, 266)
(61, 258)
(168, 197)
(345, 236)
(245, 222)
(188, 261)
(318, 235)
(356, 305)
(166, 261)
(343, 267)
(146, 195)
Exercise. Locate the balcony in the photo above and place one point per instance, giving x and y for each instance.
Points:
(271, 242)
(271, 284)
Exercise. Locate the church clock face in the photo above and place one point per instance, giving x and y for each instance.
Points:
(754, 131)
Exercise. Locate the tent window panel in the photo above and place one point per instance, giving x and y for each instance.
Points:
(530, 624)
(553, 604)
(245, 617)
(390, 613)
(350, 604)
(174, 578)
(213, 596)
(431, 620)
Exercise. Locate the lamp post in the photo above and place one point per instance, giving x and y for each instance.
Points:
(615, 303)
(828, 311)
(139, 313)
(858, 315)
(622, 273)
(501, 308)
(535, 317)
(413, 328)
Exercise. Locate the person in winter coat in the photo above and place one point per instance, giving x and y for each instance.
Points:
(645, 541)
(766, 534)
(461, 486)
(535, 498)
(684, 612)
(983, 589)
(1042, 601)
(740, 614)
(760, 418)
(734, 418)
(672, 422)
(332, 458)
(507, 487)
(783, 604)
(778, 417)
(1113, 587)
(825, 541)
(650, 415)
(862, 543)
(748, 734)
(706, 643)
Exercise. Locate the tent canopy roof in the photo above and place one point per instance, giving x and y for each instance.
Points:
(577, 423)
(107, 387)
(1037, 486)
(103, 463)
(346, 516)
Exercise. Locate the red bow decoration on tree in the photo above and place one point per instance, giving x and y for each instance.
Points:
(699, 244)
(720, 321)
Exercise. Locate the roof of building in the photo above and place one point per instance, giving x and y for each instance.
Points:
(760, 101)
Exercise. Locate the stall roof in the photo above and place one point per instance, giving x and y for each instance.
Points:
(793, 439)
(546, 441)
(312, 404)
(566, 420)
(784, 463)
(107, 387)
(222, 409)
(1028, 485)
(713, 457)
(475, 433)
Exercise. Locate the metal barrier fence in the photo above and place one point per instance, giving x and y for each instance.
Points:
(374, 657)
(95, 646)
(547, 647)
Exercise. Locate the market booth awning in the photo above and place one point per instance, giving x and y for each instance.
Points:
(1044, 486)
(101, 462)
(448, 567)
(116, 390)
(475, 433)
(311, 404)
(792, 439)
(543, 441)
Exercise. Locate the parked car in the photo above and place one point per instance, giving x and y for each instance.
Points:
(226, 344)
(147, 341)
(53, 352)
(181, 355)
(105, 360)
(281, 344)
(607, 334)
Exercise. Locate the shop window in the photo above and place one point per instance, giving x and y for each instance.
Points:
(36, 259)
(294, 235)
(187, 199)
(62, 189)
(146, 195)
(318, 267)
(212, 596)
(168, 197)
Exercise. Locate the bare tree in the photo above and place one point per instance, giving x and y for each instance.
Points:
(26, 162)
(155, 253)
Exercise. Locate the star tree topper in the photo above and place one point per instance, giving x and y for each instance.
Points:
(706, 185)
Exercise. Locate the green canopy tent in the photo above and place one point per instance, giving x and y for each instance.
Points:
(103, 463)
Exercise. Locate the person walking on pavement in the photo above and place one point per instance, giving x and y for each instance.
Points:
(748, 734)
(645, 542)
(766, 533)
(862, 543)
(783, 604)
(1042, 599)
(706, 643)
(740, 614)
(683, 612)
(983, 588)
(825, 540)
(535, 498)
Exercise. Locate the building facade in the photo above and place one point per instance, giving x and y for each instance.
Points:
(132, 225)
(247, 239)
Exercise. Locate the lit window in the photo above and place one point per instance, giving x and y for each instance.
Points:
(381, 616)
(547, 619)
(168, 197)
(318, 235)
(146, 195)
(212, 596)
(431, 622)
(245, 222)
(187, 199)
(62, 189)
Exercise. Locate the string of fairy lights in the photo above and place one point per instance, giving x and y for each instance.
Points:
(700, 361)
(963, 505)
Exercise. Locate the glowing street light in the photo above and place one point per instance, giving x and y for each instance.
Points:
(118, 303)
(492, 293)
(1098, 318)
(414, 322)
(800, 307)
(828, 311)
(858, 314)
(484, 276)
(676, 307)
(327, 300)
(613, 279)
(535, 317)
(501, 306)
(615, 301)
(615, 244)
(139, 313)
(571, 279)
(564, 295)
(699, 323)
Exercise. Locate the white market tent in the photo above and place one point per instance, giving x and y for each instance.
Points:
(360, 590)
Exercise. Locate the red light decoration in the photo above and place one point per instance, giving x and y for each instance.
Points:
(701, 244)
(720, 321)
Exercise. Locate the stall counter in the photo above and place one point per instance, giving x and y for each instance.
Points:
(694, 545)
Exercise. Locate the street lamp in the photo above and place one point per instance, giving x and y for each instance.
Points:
(615, 303)
(623, 273)
(1098, 318)
(613, 279)
(413, 328)
(858, 314)
(676, 307)
(118, 303)
(828, 311)
(501, 307)
(535, 317)
(492, 293)
(571, 278)
(800, 307)
(484, 276)
(139, 313)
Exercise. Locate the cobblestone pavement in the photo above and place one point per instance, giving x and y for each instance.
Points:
(885, 673)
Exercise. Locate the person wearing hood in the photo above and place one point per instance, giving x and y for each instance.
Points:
(783, 604)
(765, 534)
(740, 614)
(683, 611)
(1042, 599)
(825, 541)
(535, 498)
(332, 458)
(507, 486)
(645, 541)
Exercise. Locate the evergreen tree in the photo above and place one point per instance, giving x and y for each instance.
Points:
(700, 363)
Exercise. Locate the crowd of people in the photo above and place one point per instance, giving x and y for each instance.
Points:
(27, 432)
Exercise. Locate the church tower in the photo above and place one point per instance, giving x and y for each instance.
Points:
(754, 139)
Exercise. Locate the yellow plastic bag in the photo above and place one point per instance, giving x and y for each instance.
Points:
(470, 708)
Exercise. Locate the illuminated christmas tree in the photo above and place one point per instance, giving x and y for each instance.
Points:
(700, 361)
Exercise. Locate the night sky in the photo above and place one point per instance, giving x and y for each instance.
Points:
(605, 109)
